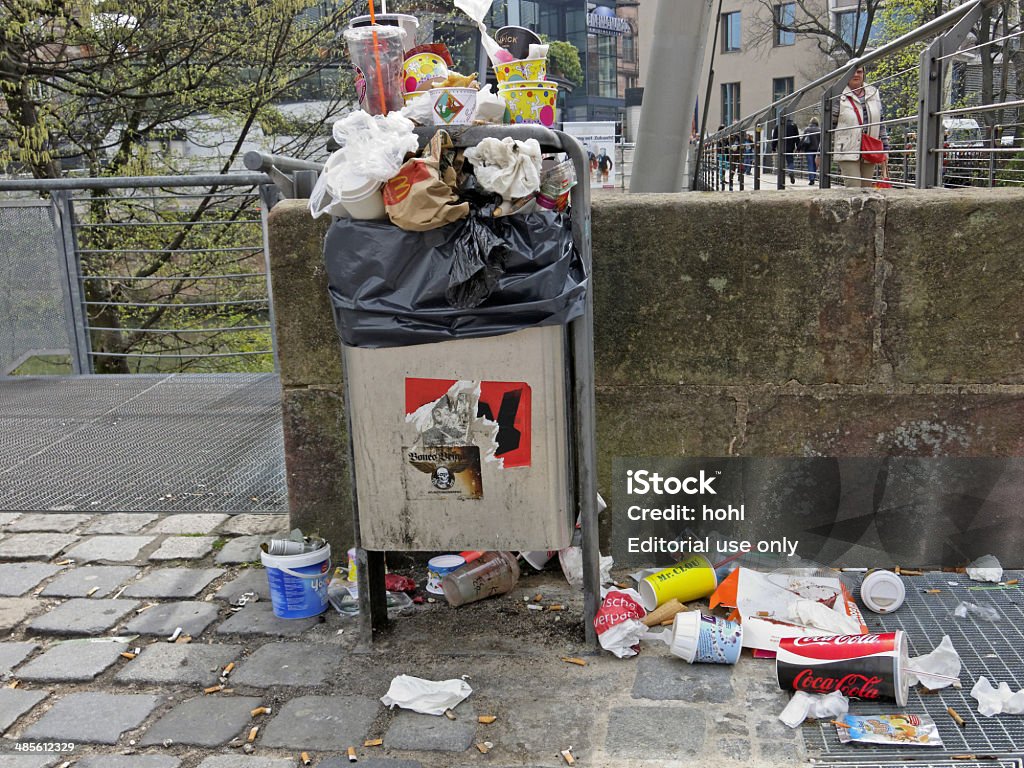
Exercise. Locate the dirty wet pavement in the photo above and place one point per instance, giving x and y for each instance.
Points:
(323, 691)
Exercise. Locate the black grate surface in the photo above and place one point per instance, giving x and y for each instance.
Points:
(993, 650)
(175, 443)
(921, 762)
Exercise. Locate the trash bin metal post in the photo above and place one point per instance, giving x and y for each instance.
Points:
(584, 420)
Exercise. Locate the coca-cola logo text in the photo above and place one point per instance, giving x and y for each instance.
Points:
(853, 685)
(840, 646)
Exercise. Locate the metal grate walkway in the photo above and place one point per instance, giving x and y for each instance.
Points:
(164, 443)
(990, 649)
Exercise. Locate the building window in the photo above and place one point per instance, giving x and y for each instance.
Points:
(785, 16)
(851, 26)
(730, 103)
(781, 87)
(730, 31)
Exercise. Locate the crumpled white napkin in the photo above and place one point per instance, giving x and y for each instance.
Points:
(811, 613)
(428, 697)
(937, 669)
(816, 705)
(994, 701)
(986, 568)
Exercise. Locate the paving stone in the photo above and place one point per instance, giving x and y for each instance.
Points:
(191, 616)
(6, 518)
(657, 733)
(12, 654)
(14, 703)
(27, 761)
(173, 582)
(73, 660)
(259, 619)
(18, 578)
(205, 721)
(248, 525)
(371, 762)
(115, 549)
(244, 549)
(769, 730)
(322, 723)
(250, 580)
(184, 548)
(128, 761)
(120, 522)
(186, 664)
(78, 581)
(288, 664)
(730, 723)
(47, 521)
(14, 610)
(83, 616)
(243, 761)
(34, 546)
(410, 730)
(781, 752)
(93, 718)
(198, 523)
(735, 749)
(666, 678)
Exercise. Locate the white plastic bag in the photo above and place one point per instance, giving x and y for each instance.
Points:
(428, 697)
(617, 622)
(375, 146)
(507, 167)
(490, 107)
(323, 197)
(477, 10)
(817, 706)
(421, 109)
(571, 560)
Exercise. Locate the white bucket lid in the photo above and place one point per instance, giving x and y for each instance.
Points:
(883, 591)
(685, 634)
(446, 561)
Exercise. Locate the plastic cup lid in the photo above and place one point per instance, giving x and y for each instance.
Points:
(446, 561)
(353, 187)
(883, 591)
(366, 33)
(685, 635)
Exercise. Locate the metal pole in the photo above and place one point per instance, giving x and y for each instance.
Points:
(268, 199)
(666, 115)
(702, 130)
(825, 138)
(994, 137)
(136, 182)
(62, 215)
(780, 147)
(757, 157)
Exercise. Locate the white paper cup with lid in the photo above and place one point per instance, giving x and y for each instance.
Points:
(882, 591)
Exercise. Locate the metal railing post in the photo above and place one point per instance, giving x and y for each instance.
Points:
(780, 147)
(757, 157)
(268, 199)
(825, 141)
(77, 320)
(929, 125)
(994, 138)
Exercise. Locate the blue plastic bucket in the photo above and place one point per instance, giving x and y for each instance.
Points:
(298, 583)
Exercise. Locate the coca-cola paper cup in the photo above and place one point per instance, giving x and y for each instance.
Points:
(871, 667)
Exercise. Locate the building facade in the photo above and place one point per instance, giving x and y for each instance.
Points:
(606, 34)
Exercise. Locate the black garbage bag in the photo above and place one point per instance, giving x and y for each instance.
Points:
(476, 277)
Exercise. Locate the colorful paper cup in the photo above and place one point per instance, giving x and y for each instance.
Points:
(690, 579)
(520, 70)
(454, 106)
(706, 639)
(530, 103)
(421, 69)
(439, 567)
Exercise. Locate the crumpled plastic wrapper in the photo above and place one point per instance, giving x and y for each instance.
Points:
(428, 697)
(817, 706)
(984, 612)
(618, 624)
(490, 107)
(507, 167)
(986, 568)
(811, 613)
(375, 146)
(997, 701)
(937, 669)
(571, 560)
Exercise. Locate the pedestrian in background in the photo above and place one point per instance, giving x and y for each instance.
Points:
(810, 144)
(857, 114)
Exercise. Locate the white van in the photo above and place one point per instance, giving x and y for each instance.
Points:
(962, 132)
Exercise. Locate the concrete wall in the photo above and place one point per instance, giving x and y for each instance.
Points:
(757, 324)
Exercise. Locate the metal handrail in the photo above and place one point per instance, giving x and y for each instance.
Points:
(142, 182)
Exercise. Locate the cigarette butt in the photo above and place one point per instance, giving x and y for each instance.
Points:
(14, 683)
(896, 570)
(623, 585)
(373, 742)
(252, 734)
(556, 607)
(450, 715)
(175, 635)
(538, 597)
(963, 757)
(64, 562)
(92, 591)
(837, 723)
(213, 689)
(574, 660)
(933, 591)
(567, 756)
(956, 717)
(128, 655)
(352, 755)
(1012, 582)
(145, 608)
(304, 757)
(909, 572)
(259, 711)
(534, 607)
(663, 612)
(763, 613)
(482, 748)
(228, 668)
(486, 719)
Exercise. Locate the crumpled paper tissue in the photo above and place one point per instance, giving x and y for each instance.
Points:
(995, 701)
(937, 669)
(986, 568)
(818, 706)
(428, 697)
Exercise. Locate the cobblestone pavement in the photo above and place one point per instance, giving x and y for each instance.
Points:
(80, 591)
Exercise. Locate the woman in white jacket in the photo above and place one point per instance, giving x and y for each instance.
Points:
(856, 112)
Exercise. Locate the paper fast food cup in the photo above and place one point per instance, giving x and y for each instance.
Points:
(690, 579)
